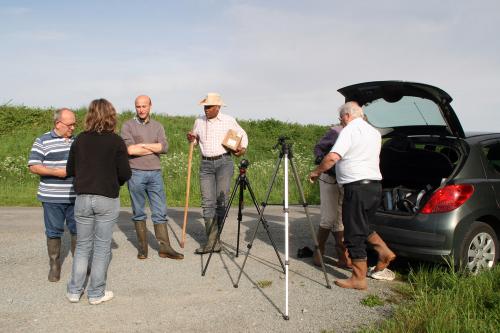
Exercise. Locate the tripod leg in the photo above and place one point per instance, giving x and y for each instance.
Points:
(285, 316)
(240, 215)
(313, 234)
(217, 238)
(261, 214)
(265, 225)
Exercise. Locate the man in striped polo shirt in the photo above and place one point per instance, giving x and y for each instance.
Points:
(47, 159)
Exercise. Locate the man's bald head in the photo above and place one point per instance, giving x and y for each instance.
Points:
(143, 106)
(143, 99)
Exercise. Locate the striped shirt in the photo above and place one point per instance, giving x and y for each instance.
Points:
(211, 133)
(51, 150)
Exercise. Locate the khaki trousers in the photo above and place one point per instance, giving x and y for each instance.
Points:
(331, 196)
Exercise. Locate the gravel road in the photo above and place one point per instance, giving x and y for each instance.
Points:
(159, 295)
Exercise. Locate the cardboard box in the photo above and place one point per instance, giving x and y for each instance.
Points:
(232, 140)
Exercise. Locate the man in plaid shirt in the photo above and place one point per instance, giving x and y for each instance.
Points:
(216, 167)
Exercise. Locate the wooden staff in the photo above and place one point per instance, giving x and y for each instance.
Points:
(188, 186)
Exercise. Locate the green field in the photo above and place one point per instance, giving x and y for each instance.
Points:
(21, 125)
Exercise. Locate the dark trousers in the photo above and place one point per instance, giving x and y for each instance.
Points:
(361, 201)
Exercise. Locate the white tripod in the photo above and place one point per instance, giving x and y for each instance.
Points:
(286, 154)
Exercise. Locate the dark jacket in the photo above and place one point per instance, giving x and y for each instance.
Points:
(324, 146)
(99, 163)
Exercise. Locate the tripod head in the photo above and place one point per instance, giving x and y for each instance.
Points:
(244, 163)
(284, 146)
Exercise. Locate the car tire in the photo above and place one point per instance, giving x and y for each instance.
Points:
(479, 248)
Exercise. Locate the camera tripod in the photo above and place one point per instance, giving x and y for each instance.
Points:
(286, 155)
(242, 183)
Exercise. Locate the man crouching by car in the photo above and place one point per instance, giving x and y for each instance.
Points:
(356, 156)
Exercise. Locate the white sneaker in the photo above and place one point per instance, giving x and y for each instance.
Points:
(108, 295)
(73, 298)
(385, 274)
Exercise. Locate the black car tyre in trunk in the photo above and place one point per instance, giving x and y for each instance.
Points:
(479, 248)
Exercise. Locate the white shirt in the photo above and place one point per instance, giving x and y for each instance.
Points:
(358, 145)
(211, 133)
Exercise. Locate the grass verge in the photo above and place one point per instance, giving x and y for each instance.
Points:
(21, 125)
(439, 299)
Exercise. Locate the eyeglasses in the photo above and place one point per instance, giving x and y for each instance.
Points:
(68, 125)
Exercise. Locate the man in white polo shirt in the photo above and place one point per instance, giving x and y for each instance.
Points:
(356, 156)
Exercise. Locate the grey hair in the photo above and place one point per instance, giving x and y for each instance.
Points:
(58, 113)
(351, 108)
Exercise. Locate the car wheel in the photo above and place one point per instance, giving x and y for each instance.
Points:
(479, 249)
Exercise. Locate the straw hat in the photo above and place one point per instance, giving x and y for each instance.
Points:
(212, 99)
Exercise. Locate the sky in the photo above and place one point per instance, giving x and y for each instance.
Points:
(268, 59)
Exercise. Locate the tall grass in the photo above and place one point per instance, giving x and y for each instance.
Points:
(439, 299)
(21, 125)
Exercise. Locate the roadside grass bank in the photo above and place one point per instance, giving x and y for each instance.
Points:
(21, 125)
(439, 299)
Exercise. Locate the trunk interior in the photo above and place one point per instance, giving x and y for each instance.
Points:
(412, 168)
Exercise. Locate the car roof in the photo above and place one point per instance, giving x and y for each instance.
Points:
(481, 136)
(469, 134)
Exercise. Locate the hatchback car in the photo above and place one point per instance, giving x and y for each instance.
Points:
(441, 186)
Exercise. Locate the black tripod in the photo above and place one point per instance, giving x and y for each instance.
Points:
(243, 183)
(286, 155)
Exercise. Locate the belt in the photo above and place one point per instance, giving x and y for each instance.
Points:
(364, 182)
(214, 158)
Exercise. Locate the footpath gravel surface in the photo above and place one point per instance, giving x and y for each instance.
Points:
(160, 295)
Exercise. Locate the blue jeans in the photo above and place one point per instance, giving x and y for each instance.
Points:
(54, 215)
(147, 183)
(95, 217)
(215, 183)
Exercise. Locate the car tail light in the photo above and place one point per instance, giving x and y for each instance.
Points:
(448, 198)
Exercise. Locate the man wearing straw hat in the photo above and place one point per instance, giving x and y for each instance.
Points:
(216, 167)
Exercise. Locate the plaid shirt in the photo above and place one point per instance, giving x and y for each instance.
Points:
(211, 133)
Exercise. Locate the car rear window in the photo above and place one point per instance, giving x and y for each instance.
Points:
(492, 152)
(408, 111)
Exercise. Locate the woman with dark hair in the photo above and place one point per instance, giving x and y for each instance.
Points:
(98, 161)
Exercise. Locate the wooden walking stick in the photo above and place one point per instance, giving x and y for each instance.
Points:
(188, 186)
